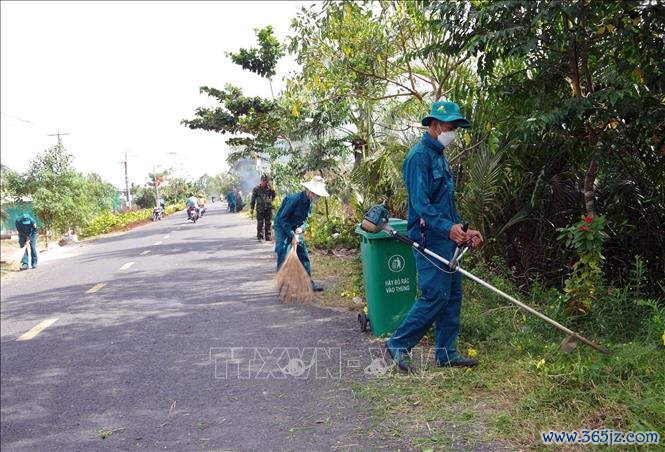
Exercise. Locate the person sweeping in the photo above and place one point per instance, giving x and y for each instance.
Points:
(27, 239)
(290, 221)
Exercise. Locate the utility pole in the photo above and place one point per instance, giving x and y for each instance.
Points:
(154, 180)
(58, 135)
(129, 195)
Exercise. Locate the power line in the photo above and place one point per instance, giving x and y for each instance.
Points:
(18, 119)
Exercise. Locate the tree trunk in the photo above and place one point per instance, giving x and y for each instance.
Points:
(592, 138)
(589, 191)
(574, 59)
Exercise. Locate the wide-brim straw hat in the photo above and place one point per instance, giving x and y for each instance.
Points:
(317, 186)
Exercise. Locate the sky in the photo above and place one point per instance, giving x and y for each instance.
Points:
(120, 76)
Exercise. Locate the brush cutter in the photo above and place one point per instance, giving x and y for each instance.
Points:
(376, 219)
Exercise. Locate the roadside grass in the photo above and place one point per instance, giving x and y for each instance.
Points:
(9, 250)
(524, 383)
(5, 269)
(341, 275)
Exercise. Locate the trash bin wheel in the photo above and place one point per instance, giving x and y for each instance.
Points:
(363, 321)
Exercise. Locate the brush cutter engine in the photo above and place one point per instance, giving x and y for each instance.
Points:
(375, 219)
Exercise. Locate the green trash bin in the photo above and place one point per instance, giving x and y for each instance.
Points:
(389, 271)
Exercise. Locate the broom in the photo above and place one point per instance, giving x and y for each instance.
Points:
(15, 260)
(292, 280)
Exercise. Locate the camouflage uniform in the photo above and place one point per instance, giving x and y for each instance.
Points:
(262, 198)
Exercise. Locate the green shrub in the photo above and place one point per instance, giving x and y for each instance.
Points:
(337, 228)
(586, 238)
(173, 208)
(111, 221)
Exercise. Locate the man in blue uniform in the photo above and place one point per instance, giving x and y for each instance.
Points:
(290, 223)
(431, 189)
(231, 200)
(27, 231)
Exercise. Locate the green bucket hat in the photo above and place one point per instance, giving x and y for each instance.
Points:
(445, 111)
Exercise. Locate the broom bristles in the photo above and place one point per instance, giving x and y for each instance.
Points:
(293, 282)
(15, 260)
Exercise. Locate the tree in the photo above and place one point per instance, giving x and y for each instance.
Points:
(261, 60)
(177, 190)
(10, 182)
(580, 87)
(264, 128)
(144, 196)
(54, 185)
(95, 196)
(253, 121)
(248, 119)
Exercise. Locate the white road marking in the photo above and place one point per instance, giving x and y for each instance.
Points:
(36, 330)
(157, 243)
(127, 265)
(143, 253)
(96, 287)
(167, 236)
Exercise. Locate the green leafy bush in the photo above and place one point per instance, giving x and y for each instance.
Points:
(334, 229)
(111, 221)
(174, 208)
(586, 238)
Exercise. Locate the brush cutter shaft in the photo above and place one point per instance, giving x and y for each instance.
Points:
(471, 276)
(517, 302)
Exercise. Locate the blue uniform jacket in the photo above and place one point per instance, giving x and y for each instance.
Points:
(292, 214)
(431, 190)
(26, 225)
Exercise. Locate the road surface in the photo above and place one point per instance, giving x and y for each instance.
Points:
(170, 336)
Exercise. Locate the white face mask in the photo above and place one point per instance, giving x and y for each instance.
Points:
(445, 138)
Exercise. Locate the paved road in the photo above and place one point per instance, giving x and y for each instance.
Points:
(148, 357)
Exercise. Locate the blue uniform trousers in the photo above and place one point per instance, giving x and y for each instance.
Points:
(22, 239)
(440, 304)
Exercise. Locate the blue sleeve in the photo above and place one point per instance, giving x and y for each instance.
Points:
(415, 172)
(283, 214)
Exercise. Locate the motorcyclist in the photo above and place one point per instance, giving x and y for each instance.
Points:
(201, 202)
(192, 204)
(157, 213)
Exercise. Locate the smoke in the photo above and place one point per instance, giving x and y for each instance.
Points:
(248, 176)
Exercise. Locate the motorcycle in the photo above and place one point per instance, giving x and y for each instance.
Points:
(193, 214)
(156, 214)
